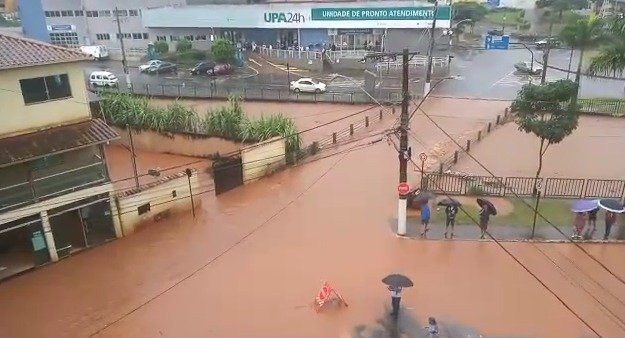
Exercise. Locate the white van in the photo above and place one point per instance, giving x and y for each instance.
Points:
(97, 52)
(103, 79)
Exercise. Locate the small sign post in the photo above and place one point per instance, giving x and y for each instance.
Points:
(403, 189)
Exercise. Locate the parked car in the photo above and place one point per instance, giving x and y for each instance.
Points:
(551, 42)
(202, 68)
(151, 63)
(103, 79)
(96, 52)
(221, 69)
(163, 67)
(307, 85)
(496, 32)
(525, 67)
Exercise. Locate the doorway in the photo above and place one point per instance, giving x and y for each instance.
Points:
(22, 246)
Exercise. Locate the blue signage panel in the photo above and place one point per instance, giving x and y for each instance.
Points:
(497, 42)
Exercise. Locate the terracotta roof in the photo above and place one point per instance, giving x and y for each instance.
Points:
(165, 179)
(18, 52)
(22, 148)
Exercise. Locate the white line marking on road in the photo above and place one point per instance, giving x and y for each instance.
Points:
(256, 62)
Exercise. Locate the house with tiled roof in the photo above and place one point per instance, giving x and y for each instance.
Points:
(55, 191)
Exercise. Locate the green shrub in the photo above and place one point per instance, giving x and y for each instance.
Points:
(183, 45)
(275, 125)
(476, 190)
(226, 121)
(161, 47)
(223, 51)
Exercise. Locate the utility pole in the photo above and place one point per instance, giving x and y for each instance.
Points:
(543, 77)
(428, 71)
(121, 43)
(404, 150)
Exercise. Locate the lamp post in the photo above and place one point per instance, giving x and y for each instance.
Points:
(189, 173)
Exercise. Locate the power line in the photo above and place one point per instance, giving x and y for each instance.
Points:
(519, 197)
(223, 253)
(543, 284)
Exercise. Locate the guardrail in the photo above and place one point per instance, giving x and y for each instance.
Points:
(289, 54)
(458, 184)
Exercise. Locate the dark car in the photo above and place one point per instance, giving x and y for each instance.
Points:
(551, 42)
(202, 68)
(496, 32)
(221, 69)
(526, 67)
(163, 67)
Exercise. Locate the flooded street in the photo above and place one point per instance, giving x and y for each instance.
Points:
(252, 262)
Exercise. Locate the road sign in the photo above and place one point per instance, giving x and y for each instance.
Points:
(423, 157)
(496, 42)
(403, 188)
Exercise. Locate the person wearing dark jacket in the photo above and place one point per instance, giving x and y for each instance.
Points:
(450, 218)
(610, 219)
(395, 299)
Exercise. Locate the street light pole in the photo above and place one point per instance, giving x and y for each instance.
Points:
(121, 44)
(404, 150)
(428, 74)
(189, 173)
(543, 77)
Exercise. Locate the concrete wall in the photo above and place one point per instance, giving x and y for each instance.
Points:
(19, 118)
(263, 158)
(177, 144)
(167, 196)
(33, 20)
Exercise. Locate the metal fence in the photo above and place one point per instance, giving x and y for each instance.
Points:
(263, 93)
(613, 107)
(289, 54)
(417, 61)
(523, 186)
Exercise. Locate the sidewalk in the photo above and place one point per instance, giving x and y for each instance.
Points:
(513, 233)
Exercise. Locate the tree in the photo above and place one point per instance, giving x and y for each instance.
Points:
(611, 58)
(161, 47)
(468, 11)
(582, 34)
(561, 6)
(183, 45)
(544, 111)
(223, 51)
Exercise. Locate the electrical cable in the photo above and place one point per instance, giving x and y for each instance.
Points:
(223, 253)
(521, 199)
(543, 284)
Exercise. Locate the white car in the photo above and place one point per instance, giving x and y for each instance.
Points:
(308, 85)
(150, 64)
(96, 52)
(103, 79)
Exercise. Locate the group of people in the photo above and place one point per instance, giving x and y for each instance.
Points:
(432, 327)
(451, 210)
(585, 224)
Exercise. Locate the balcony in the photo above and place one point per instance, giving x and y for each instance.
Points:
(45, 187)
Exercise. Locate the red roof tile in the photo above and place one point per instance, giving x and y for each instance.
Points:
(18, 52)
(22, 148)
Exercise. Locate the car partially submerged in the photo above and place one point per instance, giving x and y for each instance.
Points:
(526, 67)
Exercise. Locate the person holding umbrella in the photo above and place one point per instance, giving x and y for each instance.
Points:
(451, 209)
(580, 208)
(487, 209)
(612, 207)
(592, 223)
(425, 218)
(396, 283)
(610, 219)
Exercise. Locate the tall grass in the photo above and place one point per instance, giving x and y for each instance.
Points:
(229, 121)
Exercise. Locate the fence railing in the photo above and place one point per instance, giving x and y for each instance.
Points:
(347, 54)
(39, 188)
(289, 54)
(523, 186)
(615, 107)
(417, 61)
(261, 93)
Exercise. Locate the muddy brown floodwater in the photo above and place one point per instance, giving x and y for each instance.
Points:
(252, 262)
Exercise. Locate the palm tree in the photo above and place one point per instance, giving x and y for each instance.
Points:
(583, 34)
(611, 59)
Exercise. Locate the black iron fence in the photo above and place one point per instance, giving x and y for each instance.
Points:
(523, 186)
(261, 93)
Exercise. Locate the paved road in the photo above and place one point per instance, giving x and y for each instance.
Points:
(490, 74)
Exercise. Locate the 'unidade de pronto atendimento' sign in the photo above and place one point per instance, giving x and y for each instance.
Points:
(381, 13)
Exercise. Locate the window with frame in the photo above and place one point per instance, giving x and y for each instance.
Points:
(52, 14)
(67, 13)
(121, 12)
(161, 38)
(189, 37)
(103, 36)
(67, 39)
(133, 12)
(47, 14)
(41, 89)
(92, 14)
(79, 13)
(137, 36)
(104, 13)
(174, 38)
(124, 35)
(145, 36)
(200, 37)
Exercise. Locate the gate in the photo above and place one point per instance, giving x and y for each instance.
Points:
(227, 174)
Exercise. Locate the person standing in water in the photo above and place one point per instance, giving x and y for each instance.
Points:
(432, 328)
(425, 219)
(592, 223)
(578, 225)
(484, 218)
(395, 299)
(450, 218)
(610, 219)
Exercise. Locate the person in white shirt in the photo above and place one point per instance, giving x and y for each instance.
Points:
(395, 299)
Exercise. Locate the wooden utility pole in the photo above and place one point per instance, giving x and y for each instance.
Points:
(121, 44)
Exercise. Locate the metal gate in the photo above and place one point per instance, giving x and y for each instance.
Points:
(227, 174)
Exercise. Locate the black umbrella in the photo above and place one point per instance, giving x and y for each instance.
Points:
(397, 280)
(486, 204)
(449, 202)
(612, 205)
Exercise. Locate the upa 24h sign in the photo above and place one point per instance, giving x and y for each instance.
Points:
(284, 17)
